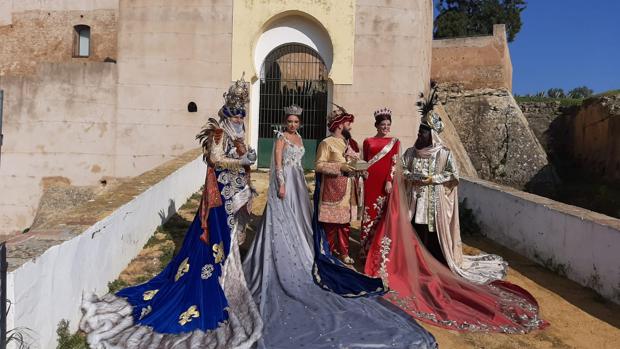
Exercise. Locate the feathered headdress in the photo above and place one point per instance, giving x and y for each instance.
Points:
(426, 107)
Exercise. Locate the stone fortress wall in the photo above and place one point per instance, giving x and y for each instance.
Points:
(39, 31)
(58, 110)
(392, 64)
(59, 126)
(474, 62)
(580, 135)
(79, 121)
(475, 82)
(595, 143)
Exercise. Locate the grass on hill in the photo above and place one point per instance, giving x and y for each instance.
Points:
(606, 93)
(564, 102)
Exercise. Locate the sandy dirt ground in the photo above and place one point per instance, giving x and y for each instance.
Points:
(579, 317)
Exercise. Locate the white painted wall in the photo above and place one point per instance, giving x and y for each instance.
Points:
(50, 288)
(584, 243)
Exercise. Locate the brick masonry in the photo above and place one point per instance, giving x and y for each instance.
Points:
(47, 36)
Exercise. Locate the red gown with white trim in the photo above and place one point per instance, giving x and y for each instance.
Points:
(430, 292)
(382, 153)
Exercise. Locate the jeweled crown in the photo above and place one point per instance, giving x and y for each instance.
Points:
(293, 109)
(237, 95)
(382, 111)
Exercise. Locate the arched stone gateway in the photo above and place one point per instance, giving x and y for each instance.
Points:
(293, 59)
(292, 73)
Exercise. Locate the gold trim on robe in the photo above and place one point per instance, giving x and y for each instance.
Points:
(337, 200)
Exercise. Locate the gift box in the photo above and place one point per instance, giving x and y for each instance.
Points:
(359, 165)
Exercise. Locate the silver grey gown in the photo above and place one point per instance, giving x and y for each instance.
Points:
(296, 312)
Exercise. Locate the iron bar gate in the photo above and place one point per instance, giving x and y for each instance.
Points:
(292, 73)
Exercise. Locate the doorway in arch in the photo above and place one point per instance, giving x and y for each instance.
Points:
(292, 73)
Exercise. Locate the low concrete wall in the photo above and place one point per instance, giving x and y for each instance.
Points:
(50, 287)
(570, 240)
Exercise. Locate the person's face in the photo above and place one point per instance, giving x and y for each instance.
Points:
(292, 123)
(237, 119)
(383, 128)
(424, 137)
(347, 126)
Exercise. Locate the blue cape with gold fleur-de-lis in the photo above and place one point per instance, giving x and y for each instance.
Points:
(187, 295)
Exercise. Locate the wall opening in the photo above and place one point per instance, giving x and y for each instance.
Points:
(292, 73)
(192, 107)
(81, 41)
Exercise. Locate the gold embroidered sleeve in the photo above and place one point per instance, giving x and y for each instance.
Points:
(219, 159)
(450, 172)
(322, 161)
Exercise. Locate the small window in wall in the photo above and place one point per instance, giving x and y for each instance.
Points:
(192, 107)
(81, 41)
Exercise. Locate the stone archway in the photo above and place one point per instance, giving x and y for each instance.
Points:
(292, 73)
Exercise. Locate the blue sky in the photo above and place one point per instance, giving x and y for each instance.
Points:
(567, 43)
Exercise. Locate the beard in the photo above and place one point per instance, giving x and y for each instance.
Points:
(346, 134)
(237, 127)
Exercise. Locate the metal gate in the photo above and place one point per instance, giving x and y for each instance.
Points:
(292, 73)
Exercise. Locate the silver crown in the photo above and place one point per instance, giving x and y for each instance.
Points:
(293, 109)
(383, 111)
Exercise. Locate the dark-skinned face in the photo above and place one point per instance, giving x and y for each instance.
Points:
(424, 138)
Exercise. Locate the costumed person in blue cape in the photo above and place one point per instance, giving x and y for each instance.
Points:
(201, 298)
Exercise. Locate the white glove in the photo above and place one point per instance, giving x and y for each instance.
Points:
(246, 160)
(252, 154)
